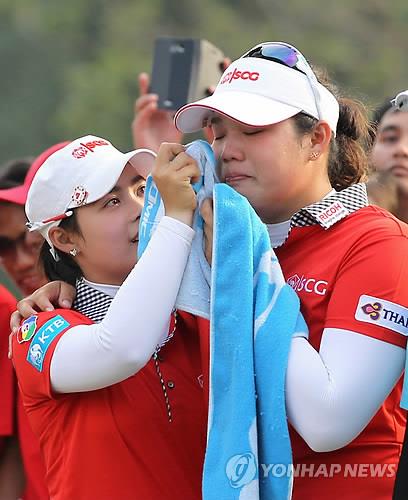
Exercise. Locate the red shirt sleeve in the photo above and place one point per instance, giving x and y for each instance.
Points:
(371, 292)
(7, 380)
(33, 348)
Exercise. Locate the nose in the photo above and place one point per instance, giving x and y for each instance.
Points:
(136, 206)
(401, 151)
(231, 149)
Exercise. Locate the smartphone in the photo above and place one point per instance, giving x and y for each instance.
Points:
(183, 70)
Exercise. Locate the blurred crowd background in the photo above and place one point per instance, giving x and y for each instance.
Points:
(70, 68)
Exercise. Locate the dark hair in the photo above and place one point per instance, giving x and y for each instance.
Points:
(348, 160)
(380, 111)
(65, 269)
(13, 173)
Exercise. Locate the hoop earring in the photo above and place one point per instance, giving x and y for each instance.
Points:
(74, 252)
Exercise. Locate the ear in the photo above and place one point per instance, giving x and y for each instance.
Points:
(320, 139)
(62, 239)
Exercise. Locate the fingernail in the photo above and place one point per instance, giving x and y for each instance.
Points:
(14, 329)
(66, 303)
(49, 308)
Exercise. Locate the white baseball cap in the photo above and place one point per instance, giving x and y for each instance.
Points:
(81, 173)
(260, 92)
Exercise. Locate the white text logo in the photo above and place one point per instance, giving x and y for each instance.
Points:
(309, 285)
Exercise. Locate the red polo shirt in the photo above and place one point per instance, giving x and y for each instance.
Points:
(118, 442)
(7, 382)
(359, 262)
(36, 488)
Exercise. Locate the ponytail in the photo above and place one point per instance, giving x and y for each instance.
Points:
(348, 159)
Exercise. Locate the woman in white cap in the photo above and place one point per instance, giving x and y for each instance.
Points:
(296, 152)
(112, 387)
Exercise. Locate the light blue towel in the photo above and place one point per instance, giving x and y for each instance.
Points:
(253, 315)
(194, 293)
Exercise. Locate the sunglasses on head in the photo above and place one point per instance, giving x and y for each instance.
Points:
(289, 56)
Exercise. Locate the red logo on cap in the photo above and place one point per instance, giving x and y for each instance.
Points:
(79, 152)
(88, 146)
(243, 75)
(79, 195)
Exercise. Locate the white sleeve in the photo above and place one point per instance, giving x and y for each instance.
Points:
(89, 357)
(333, 394)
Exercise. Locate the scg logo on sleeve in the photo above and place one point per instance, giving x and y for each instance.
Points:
(309, 285)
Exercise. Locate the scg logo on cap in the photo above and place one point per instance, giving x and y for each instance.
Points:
(87, 147)
(237, 74)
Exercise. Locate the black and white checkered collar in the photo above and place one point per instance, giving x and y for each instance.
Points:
(91, 302)
(333, 208)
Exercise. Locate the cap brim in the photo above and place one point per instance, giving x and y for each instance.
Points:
(16, 195)
(249, 109)
(142, 160)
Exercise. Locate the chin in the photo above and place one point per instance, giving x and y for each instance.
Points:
(402, 187)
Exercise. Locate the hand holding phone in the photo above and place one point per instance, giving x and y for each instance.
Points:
(151, 126)
(183, 70)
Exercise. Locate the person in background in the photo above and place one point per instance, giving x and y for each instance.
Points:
(20, 249)
(398, 135)
(12, 478)
(19, 255)
(390, 149)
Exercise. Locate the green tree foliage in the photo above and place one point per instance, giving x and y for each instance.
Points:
(70, 68)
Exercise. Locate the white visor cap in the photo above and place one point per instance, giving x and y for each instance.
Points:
(79, 174)
(258, 92)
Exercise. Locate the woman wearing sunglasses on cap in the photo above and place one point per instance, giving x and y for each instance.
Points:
(112, 387)
(296, 152)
